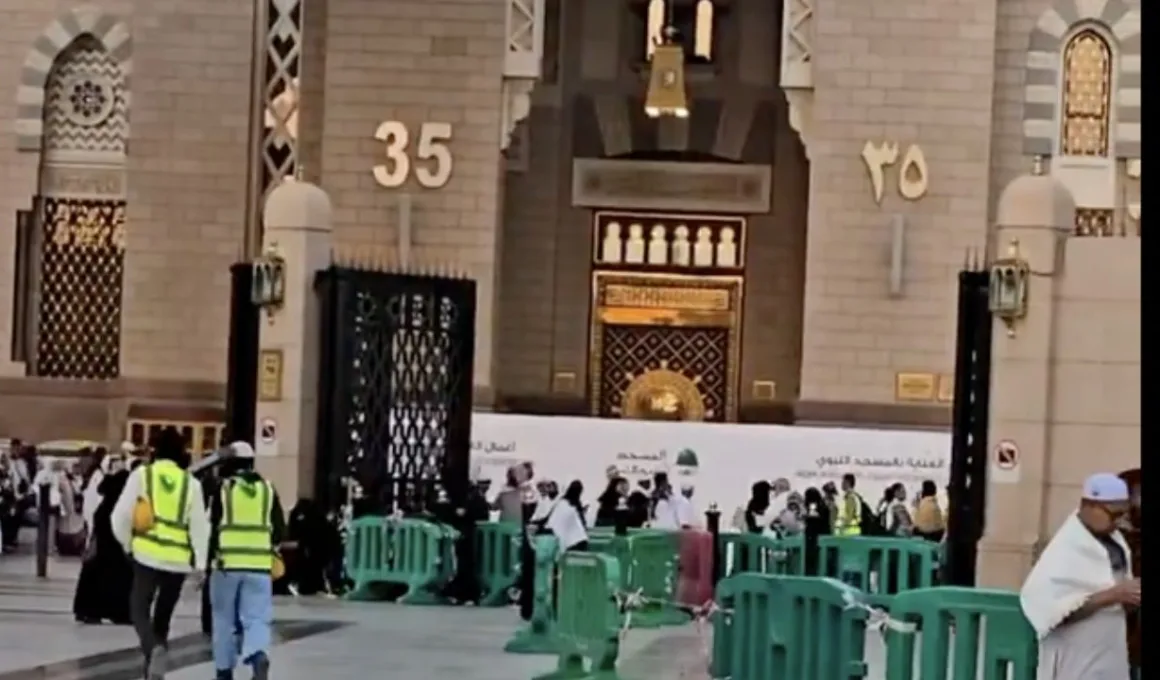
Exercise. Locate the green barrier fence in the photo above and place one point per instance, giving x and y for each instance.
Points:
(652, 565)
(967, 621)
(589, 619)
(648, 567)
(880, 567)
(787, 628)
(805, 628)
(497, 560)
(758, 553)
(539, 636)
(414, 553)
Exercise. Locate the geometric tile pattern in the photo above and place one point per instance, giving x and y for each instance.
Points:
(1119, 24)
(280, 91)
(85, 107)
(81, 277)
(699, 354)
(59, 35)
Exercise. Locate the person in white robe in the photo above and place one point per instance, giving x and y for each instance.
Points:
(1077, 594)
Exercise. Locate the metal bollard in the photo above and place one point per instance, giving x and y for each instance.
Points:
(43, 525)
(620, 517)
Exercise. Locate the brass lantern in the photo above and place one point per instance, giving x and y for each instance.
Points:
(268, 285)
(1010, 276)
(666, 85)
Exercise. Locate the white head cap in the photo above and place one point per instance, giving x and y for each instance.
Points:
(1105, 488)
(242, 450)
(128, 448)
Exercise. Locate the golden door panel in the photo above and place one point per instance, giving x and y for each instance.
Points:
(665, 346)
(664, 373)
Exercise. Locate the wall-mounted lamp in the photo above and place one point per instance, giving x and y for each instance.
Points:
(666, 85)
(268, 286)
(1010, 276)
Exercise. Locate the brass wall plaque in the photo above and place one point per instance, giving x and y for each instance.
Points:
(270, 375)
(764, 390)
(915, 386)
(946, 388)
(564, 382)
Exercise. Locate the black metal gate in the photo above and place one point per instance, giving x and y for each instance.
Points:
(968, 487)
(242, 378)
(395, 389)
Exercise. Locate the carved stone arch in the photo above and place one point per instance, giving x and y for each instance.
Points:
(111, 32)
(1117, 21)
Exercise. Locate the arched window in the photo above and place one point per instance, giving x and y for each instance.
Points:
(1087, 95)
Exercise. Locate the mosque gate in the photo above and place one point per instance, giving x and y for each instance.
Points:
(972, 397)
(395, 391)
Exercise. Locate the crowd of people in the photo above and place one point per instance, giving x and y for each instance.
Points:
(73, 496)
(773, 508)
(144, 526)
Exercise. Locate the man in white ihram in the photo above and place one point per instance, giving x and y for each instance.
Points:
(1076, 595)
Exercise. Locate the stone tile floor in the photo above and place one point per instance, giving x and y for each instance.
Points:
(380, 640)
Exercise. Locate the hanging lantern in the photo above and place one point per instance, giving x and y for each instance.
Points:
(268, 286)
(666, 86)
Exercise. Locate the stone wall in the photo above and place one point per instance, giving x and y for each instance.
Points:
(1065, 392)
(417, 62)
(909, 75)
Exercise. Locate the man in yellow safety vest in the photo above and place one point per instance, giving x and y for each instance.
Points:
(249, 523)
(161, 521)
(848, 521)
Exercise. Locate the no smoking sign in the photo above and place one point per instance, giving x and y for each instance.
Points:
(1005, 462)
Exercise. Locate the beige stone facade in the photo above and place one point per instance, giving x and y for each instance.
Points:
(852, 167)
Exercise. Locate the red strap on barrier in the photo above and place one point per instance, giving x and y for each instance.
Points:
(695, 573)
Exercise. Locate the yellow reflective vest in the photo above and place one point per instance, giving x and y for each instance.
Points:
(167, 538)
(849, 519)
(245, 542)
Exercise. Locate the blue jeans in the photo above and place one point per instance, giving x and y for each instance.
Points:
(245, 598)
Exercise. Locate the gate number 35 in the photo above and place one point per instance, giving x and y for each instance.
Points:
(430, 156)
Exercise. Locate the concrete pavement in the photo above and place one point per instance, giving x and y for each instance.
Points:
(322, 638)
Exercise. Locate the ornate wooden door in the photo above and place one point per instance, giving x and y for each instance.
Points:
(665, 347)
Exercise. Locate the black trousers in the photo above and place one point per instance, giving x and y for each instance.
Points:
(151, 603)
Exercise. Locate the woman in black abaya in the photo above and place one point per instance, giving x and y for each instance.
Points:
(103, 587)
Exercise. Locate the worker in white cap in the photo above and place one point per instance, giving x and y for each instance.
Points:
(1079, 591)
(248, 526)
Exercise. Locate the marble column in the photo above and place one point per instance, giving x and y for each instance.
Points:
(1034, 218)
(297, 219)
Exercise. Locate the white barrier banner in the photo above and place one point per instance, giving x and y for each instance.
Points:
(720, 462)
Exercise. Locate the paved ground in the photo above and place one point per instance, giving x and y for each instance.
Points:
(320, 638)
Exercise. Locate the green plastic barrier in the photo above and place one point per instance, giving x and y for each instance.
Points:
(787, 628)
(652, 572)
(497, 560)
(614, 546)
(414, 553)
(539, 637)
(648, 566)
(757, 553)
(880, 567)
(965, 620)
(589, 619)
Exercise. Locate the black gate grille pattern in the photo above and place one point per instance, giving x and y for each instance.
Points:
(81, 279)
(400, 358)
(700, 354)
